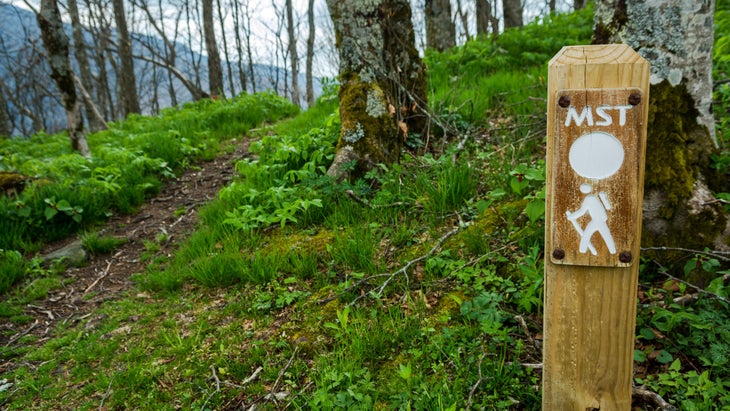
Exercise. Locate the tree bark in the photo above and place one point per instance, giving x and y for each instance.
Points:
(676, 36)
(382, 83)
(82, 59)
(128, 83)
(579, 4)
(310, 54)
(235, 5)
(57, 49)
(293, 55)
(440, 29)
(215, 72)
(226, 55)
(6, 126)
(512, 10)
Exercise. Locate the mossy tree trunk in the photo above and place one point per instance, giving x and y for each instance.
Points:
(382, 83)
(57, 48)
(676, 36)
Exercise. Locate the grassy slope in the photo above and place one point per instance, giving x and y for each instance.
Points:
(421, 288)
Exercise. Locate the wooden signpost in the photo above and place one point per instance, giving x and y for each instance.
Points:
(597, 113)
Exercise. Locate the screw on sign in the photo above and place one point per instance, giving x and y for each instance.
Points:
(597, 113)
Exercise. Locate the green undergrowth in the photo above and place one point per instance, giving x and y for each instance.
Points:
(417, 287)
(129, 162)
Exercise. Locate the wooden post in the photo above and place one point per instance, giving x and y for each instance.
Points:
(596, 140)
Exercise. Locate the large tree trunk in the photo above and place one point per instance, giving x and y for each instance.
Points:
(512, 10)
(56, 45)
(292, 52)
(310, 53)
(382, 83)
(676, 36)
(128, 83)
(440, 29)
(215, 72)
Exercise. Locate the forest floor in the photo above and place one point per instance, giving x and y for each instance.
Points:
(171, 215)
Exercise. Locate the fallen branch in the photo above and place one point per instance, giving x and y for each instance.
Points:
(720, 255)
(655, 398)
(368, 204)
(104, 274)
(272, 392)
(476, 384)
(403, 270)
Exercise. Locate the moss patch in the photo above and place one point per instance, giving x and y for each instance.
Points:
(678, 148)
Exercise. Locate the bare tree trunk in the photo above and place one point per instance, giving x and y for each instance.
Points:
(310, 53)
(100, 27)
(579, 4)
(56, 44)
(512, 10)
(239, 48)
(84, 70)
(293, 55)
(247, 28)
(128, 97)
(464, 16)
(221, 19)
(215, 72)
(440, 29)
(382, 83)
(676, 36)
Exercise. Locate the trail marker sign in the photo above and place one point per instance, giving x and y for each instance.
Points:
(597, 114)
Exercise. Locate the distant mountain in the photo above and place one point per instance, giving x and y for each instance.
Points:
(31, 96)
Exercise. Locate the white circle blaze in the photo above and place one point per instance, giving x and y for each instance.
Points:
(596, 155)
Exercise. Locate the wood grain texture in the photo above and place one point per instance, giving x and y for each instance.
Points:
(590, 311)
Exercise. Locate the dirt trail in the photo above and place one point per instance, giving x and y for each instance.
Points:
(107, 277)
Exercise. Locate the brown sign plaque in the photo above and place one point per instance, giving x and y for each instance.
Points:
(597, 158)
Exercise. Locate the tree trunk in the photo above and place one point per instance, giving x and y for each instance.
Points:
(310, 53)
(512, 10)
(579, 4)
(483, 13)
(464, 17)
(56, 45)
(215, 72)
(235, 5)
(292, 52)
(440, 29)
(6, 127)
(221, 20)
(382, 83)
(128, 83)
(676, 36)
(82, 60)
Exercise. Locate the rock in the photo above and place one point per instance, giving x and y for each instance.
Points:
(72, 254)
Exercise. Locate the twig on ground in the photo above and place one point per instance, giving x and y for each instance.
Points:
(476, 384)
(283, 370)
(16, 337)
(655, 398)
(104, 274)
(720, 255)
(368, 204)
(403, 269)
(698, 289)
(107, 393)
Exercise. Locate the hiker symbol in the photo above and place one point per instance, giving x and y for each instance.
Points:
(595, 156)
